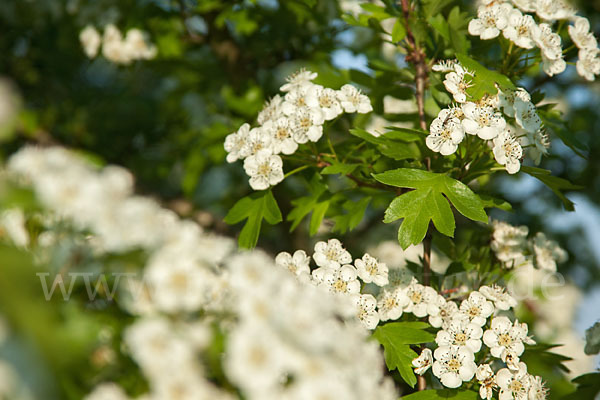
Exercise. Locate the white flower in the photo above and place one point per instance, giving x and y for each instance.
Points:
(447, 312)
(137, 46)
(371, 270)
(490, 21)
(446, 132)
(342, 280)
(366, 310)
(547, 252)
(507, 99)
(519, 29)
(526, 115)
(460, 332)
(331, 254)
(581, 35)
(296, 264)
(476, 308)
(537, 144)
(537, 390)
(553, 67)
(12, 222)
(236, 144)
(295, 99)
(271, 110)
(256, 139)
(551, 10)
(281, 131)
(482, 121)
(264, 169)
(107, 391)
(457, 83)
(423, 362)
(525, 5)
(588, 63)
(453, 365)
(90, 40)
(514, 384)
(423, 300)
(352, 100)
(298, 79)
(508, 152)
(548, 41)
(444, 66)
(325, 99)
(504, 336)
(307, 124)
(391, 304)
(485, 376)
(502, 300)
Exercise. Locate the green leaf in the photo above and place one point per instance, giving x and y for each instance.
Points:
(494, 202)
(366, 136)
(318, 214)
(484, 80)
(438, 22)
(426, 203)
(254, 208)
(437, 394)
(395, 338)
(588, 387)
(350, 220)
(305, 205)
(592, 339)
(556, 184)
(398, 32)
(400, 151)
(404, 134)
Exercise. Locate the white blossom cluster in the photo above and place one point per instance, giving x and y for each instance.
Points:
(484, 119)
(465, 328)
(515, 19)
(115, 48)
(514, 249)
(287, 121)
(285, 339)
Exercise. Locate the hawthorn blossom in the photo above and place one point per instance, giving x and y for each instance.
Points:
(106, 391)
(482, 121)
(256, 139)
(366, 306)
(264, 169)
(90, 40)
(490, 21)
(588, 64)
(581, 35)
(352, 100)
(487, 380)
(514, 384)
(553, 67)
(422, 299)
(547, 252)
(371, 270)
(502, 300)
(537, 389)
(236, 143)
(298, 79)
(519, 29)
(271, 110)
(331, 254)
(537, 144)
(423, 362)
(342, 280)
(307, 124)
(525, 5)
(548, 41)
(295, 99)
(391, 304)
(326, 99)
(447, 311)
(552, 10)
(444, 66)
(461, 333)
(508, 97)
(281, 132)
(476, 308)
(453, 365)
(297, 264)
(505, 336)
(526, 115)
(446, 132)
(457, 83)
(508, 152)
